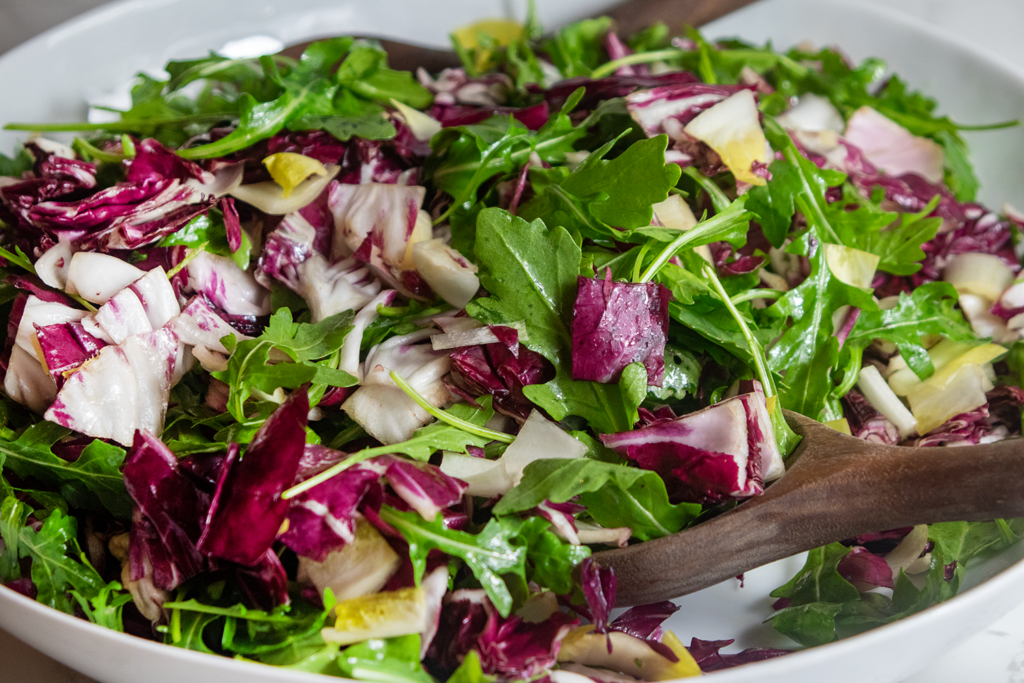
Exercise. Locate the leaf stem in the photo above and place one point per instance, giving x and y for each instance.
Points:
(608, 68)
(187, 260)
(448, 418)
(699, 231)
(755, 348)
(718, 198)
(334, 471)
(756, 294)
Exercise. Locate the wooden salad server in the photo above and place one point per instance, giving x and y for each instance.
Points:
(835, 487)
(629, 17)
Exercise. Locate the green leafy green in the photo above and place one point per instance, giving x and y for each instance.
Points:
(391, 660)
(207, 231)
(488, 554)
(807, 351)
(530, 273)
(929, 310)
(601, 198)
(465, 157)
(58, 566)
(825, 606)
(310, 347)
(615, 495)
(578, 48)
(92, 481)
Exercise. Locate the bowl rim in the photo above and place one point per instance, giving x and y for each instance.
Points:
(960, 604)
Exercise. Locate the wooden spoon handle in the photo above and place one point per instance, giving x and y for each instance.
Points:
(846, 488)
(634, 15)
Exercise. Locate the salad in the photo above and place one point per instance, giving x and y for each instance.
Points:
(338, 368)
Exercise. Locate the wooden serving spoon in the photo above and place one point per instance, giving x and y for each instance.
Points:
(629, 17)
(835, 487)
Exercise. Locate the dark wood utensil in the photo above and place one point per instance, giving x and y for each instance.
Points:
(629, 16)
(835, 487)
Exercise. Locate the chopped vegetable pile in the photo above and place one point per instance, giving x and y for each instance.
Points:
(346, 369)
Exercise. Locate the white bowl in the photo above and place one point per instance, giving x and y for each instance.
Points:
(57, 72)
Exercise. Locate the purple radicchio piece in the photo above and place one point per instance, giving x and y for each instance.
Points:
(999, 418)
(122, 389)
(618, 323)
(52, 177)
(533, 117)
(264, 585)
(227, 286)
(424, 487)
(500, 371)
(65, 347)
(170, 501)
(161, 193)
(508, 646)
(148, 559)
(598, 584)
(598, 90)
(247, 509)
(706, 654)
(376, 222)
(291, 255)
(865, 570)
(866, 422)
(667, 110)
(645, 622)
(724, 451)
(32, 285)
(323, 519)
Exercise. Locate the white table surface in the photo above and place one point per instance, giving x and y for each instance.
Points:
(994, 655)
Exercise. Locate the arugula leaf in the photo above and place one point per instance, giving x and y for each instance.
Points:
(899, 246)
(550, 560)
(307, 341)
(288, 635)
(807, 350)
(464, 157)
(368, 126)
(13, 515)
(825, 605)
(365, 72)
(578, 48)
(929, 309)
(91, 482)
(531, 273)
(601, 197)
(773, 201)
(207, 231)
(13, 167)
(188, 630)
(609, 408)
(440, 436)
(52, 571)
(808, 621)
(105, 607)
(390, 660)
(682, 375)
(470, 671)
(488, 554)
(615, 495)
(305, 344)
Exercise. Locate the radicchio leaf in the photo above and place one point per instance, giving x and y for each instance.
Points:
(247, 509)
(169, 500)
(618, 323)
(707, 655)
(508, 646)
(721, 452)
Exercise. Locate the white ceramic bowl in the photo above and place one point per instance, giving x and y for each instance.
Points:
(57, 72)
